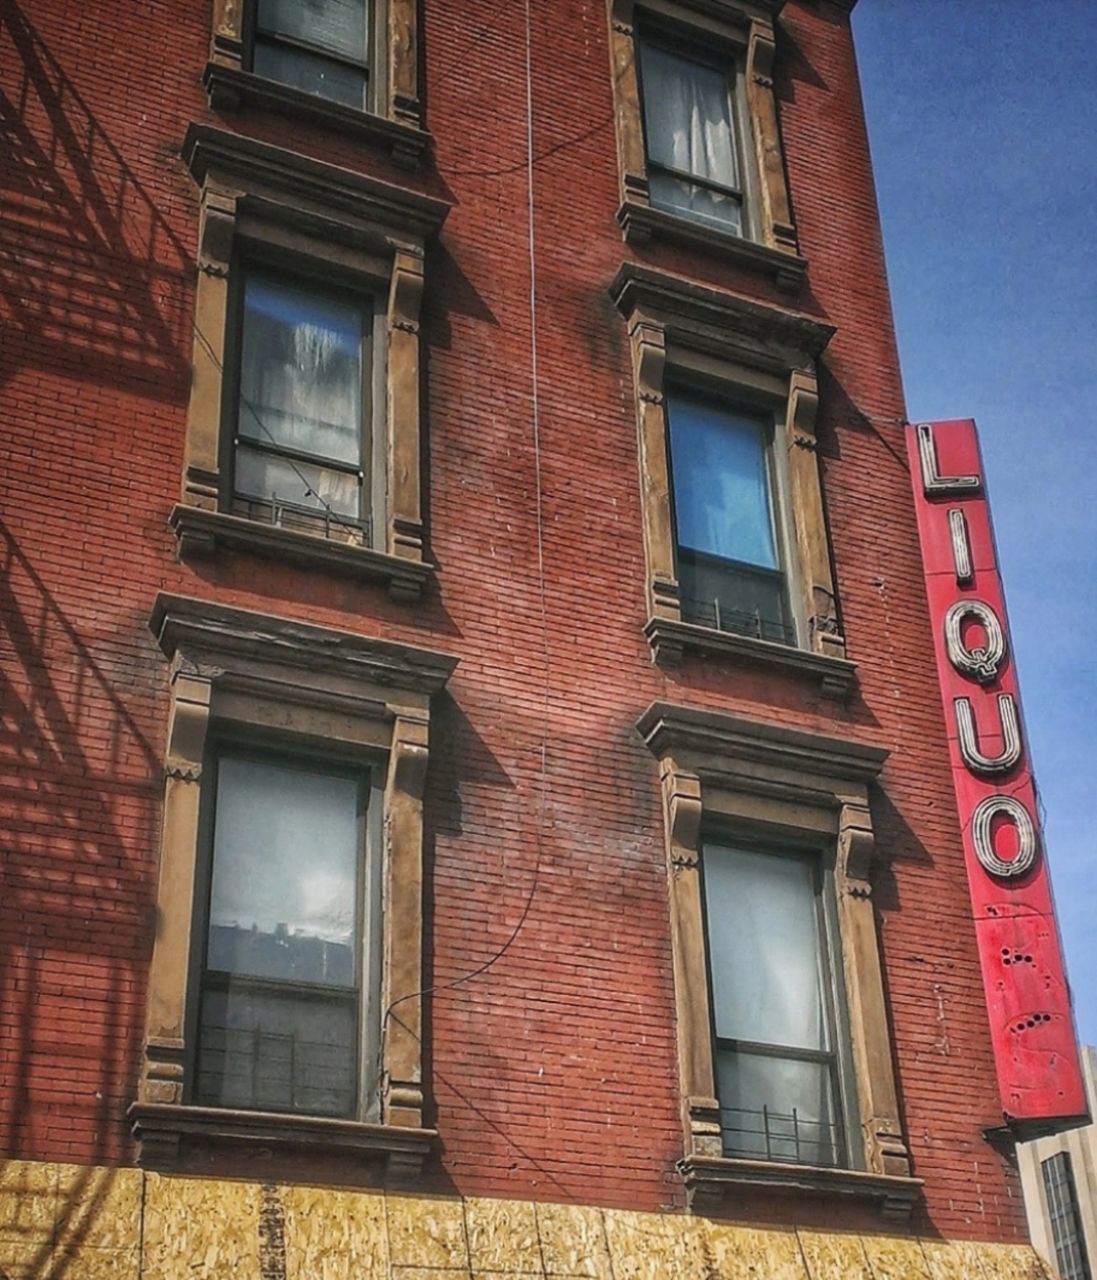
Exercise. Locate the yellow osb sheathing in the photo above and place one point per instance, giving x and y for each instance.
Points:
(120, 1224)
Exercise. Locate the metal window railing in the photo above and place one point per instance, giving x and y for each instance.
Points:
(782, 1137)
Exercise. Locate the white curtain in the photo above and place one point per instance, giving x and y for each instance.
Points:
(764, 948)
(687, 113)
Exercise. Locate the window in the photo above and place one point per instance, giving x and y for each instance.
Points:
(726, 529)
(304, 431)
(1066, 1223)
(784, 1049)
(281, 1023)
(771, 984)
(319, 46)
(303, 434)
(698, 141)
(691, 133)
(346, 65)
(736, 545)
(293, 806)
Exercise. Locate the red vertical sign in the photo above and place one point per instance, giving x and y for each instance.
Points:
(1039, 1077)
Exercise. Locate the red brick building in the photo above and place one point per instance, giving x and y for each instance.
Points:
(471, 727)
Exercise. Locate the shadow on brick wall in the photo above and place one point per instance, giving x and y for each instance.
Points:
(91, 275)
(78, 785)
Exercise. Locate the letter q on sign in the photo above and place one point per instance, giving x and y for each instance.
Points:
(983, 663)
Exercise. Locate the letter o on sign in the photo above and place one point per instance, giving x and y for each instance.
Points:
(1016, 812)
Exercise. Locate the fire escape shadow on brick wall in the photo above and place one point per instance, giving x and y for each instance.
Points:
(73, 762)
(92, 277)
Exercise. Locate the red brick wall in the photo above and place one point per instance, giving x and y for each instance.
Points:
(553, 1073)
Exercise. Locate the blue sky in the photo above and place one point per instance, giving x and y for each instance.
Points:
(983, 121)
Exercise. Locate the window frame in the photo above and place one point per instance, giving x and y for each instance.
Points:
(835, 1059)
(391, 115)
(758, 355)
(308, 218)
(678, 383)
(764, 784)
(1060, 1207)
(744, 30)
(683, 43)
(347, 700)
(242, 744)
(258, 258)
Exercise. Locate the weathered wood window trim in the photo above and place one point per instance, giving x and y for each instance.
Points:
(394, 119)
(756, 353)
(745, 28)
(332, 223)
(770, 782)
(295, 684)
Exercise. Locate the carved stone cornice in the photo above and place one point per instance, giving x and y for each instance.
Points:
(257, 165)
(709, 318)
(670, 640)
(207, 631)
(720, 736)
(709, 1179)
(165, 1131)
(641, 222)
(229, 87)
(201, 533)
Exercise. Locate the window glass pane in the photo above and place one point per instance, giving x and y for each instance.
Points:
(309, 72)
(338, 25)
(262, 475)
(764, 948)
(679, 194)
(721, 482)
(687, 115)
(283, 902)
(277, 1051)
(718, 593)
(777, 1109)
(301, 369)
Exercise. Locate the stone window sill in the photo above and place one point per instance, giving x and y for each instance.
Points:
(709, 1178)
(201, 533)
(670, 640)
(165, 1130)
(229, 89)
(641, 223)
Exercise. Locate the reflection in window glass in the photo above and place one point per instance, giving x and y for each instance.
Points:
(300, 418)
(1066, 1224)
(773, 1022)
(279, 1011)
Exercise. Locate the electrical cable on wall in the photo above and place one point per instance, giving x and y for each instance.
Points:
(542, 772)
